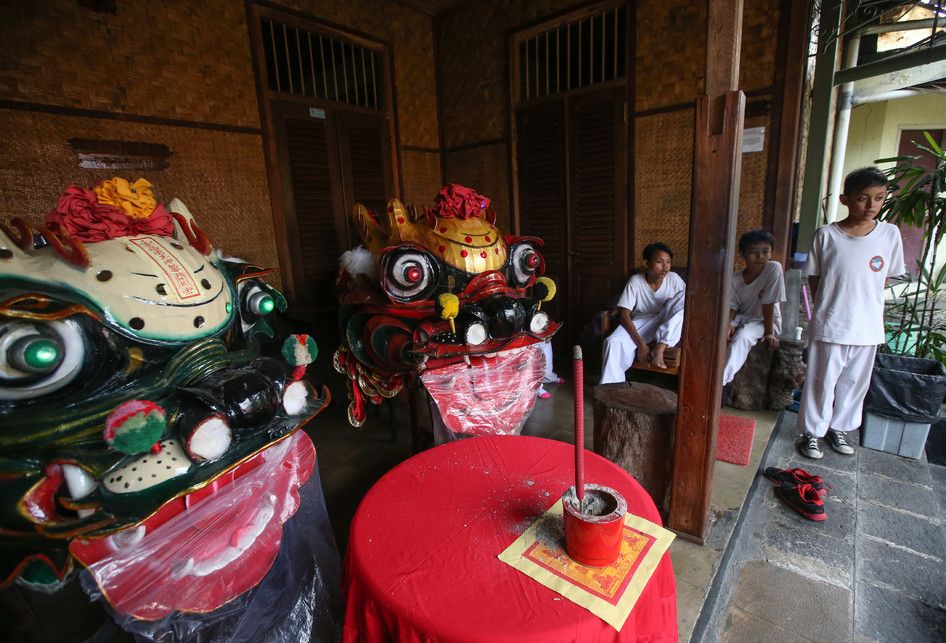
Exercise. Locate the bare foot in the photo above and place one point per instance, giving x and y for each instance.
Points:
(657, 355)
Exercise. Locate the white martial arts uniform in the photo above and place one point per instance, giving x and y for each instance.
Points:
(747, 300)
(657, 316)
(847, 323)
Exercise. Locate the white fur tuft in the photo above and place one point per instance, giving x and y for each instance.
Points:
(360, 261)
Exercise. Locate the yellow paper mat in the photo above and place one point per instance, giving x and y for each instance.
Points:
(607, 592)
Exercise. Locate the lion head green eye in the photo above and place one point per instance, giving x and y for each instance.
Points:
(35, 354)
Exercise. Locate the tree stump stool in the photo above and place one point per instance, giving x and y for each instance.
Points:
(767, 379)
(750, 386)
(634, 428)
(786, 373)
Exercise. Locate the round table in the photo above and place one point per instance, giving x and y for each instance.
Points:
(422, 554)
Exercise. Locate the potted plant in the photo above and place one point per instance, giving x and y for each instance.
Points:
(909, 378)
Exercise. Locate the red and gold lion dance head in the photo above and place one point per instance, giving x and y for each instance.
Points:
(443, 294)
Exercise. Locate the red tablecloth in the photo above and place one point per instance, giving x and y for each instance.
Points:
(422, 565)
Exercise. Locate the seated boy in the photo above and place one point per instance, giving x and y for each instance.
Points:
(651, 311)
(757, 291)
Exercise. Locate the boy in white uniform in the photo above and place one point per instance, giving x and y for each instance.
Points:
(651, 311)
(847, 268)
(757, 291)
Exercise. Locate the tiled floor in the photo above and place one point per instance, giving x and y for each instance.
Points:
(351, 460)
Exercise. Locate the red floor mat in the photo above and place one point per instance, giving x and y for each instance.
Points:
(734, 439)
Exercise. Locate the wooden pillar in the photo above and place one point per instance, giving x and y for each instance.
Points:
(790, 61)
(716, 163)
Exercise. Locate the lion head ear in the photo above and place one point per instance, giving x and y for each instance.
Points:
(185, 227)
(368, 226)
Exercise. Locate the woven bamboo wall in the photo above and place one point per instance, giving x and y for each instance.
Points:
(485, 168)
(760, 20)
(664, 177)
(187, 61)
(474, 62)
(184, 60)
(665, 141)
(671, 52)
(219, 175)
(422, 179)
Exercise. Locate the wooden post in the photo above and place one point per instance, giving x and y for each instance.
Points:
(790, 61)
(717, 161)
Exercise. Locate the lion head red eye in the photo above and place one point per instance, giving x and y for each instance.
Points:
(408, 274)
(413, 274)
(525, 263)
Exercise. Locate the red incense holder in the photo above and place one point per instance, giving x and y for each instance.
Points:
(594, 531)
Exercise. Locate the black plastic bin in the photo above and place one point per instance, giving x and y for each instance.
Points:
(908, 389)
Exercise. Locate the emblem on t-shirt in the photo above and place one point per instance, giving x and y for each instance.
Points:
(876, 263)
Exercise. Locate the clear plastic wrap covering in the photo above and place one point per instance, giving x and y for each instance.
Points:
(254, 561)
(489, 396)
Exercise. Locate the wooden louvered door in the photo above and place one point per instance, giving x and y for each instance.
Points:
(571, 172)
(365, 163)
(328, 161)
(542, 195)
(597, 203)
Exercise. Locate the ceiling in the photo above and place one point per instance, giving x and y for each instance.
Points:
(430, 7)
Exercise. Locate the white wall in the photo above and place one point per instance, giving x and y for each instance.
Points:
(875, 128)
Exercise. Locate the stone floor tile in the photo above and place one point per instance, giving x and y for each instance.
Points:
(893, 466)
(910, 497)
(779, 595)
(692, 563)
(741, 627)
(887, 615)
(920, 577)
(916, 533)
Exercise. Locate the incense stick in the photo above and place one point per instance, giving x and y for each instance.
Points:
(578, 378)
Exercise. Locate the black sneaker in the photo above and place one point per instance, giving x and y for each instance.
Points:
(797, 477)
(804, 499)
(838, 442)
(809, 447)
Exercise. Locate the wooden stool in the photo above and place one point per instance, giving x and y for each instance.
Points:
(634, 428)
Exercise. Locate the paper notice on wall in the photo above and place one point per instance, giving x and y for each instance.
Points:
(753, 139)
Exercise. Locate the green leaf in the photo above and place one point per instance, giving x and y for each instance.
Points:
(932, 142)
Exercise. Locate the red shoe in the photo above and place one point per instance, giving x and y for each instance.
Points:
(544, 395)
(804, 499)
(796, 476)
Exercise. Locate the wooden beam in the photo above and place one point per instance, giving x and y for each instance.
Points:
(717, 161)
(790, 62)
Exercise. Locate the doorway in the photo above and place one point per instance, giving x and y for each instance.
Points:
(325, 104)
(571, 150)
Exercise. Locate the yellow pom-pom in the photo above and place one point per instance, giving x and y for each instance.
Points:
(448, 305)
(549, 286)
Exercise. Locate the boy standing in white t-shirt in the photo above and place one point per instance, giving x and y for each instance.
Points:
(847, 269)
(651, 311)
(757, 291)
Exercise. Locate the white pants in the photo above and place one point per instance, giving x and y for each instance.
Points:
(619, 349)
(742, 341)
(550, 377)
(836, 382)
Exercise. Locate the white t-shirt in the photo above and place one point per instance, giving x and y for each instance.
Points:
(849, 305)
(644, 302)
(767, 288)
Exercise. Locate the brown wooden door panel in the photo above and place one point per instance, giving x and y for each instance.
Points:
(308, 164)
(597, 213)
(365, 161)
(541, 171)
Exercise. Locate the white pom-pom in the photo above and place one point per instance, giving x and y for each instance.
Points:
(360, 261)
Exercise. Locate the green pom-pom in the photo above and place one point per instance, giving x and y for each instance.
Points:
(134, 426)
(299, 350)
